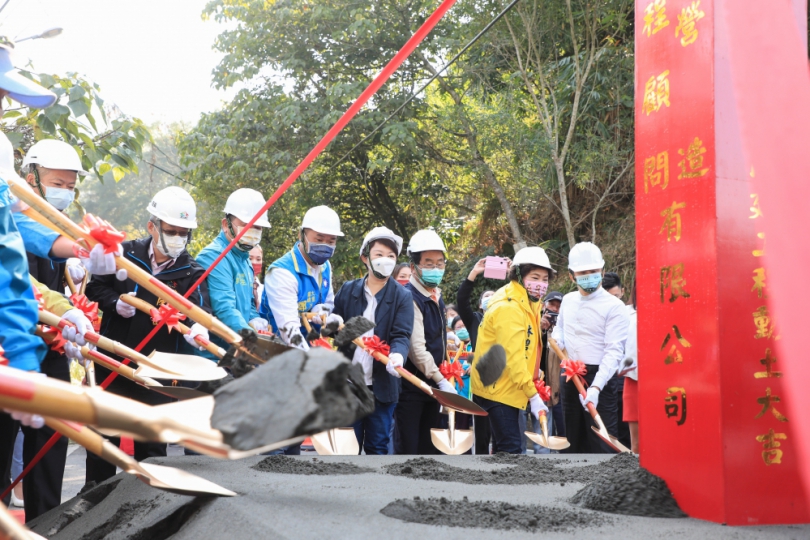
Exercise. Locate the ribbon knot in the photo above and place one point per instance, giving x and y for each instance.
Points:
(542, 390)
(90, 309)
(53, 338)
(452, 370)
(375, 344)
(573, 367)
(103, 233)
(167, 315)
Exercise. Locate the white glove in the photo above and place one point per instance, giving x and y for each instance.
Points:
(395, 360)
(74, 351)
(27, 419)
(334, 318)
(258, 324)
(591, 396)
(445, 386)
(124, 309)
(291, 334)
(76, 272)
(537, 406)
(17, 205)
(100, 263)
(321, 311)
(81, 325)
(196, 330)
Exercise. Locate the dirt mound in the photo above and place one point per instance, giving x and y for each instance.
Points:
(289, 465)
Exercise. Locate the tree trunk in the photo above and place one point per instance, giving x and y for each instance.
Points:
(561, 188)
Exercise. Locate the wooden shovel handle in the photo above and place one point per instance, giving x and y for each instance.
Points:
(11, 529)
(44, 213)
(118, 367)
(305, 321)
(92, 441)
(407, 375)
(69, 281)
(576, 378)
(147, 308)
(28, 392)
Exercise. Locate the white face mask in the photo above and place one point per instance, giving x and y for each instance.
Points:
(383, 266)
(251, 237)
(174, 245)
(58, 197)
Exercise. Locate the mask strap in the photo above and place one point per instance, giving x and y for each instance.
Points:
(160, 235)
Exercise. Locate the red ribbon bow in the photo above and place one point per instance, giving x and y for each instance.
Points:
(452, 370)
(375, 344)
(573, 367)
(103, 233)
(542, 390)
(168, 315)
(90, 309)
(53, 337)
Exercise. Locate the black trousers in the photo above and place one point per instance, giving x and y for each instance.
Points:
(623, 428)
(8, 434)
(482, 435)
(414, 422)
(578, 420)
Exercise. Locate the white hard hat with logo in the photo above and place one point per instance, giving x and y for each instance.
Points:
(585, 256)
(322, 219)
(533, 255)
(425, 240)
(174, 206)
(381, 233)
(244, 203)
(19, 88)
(54, 154)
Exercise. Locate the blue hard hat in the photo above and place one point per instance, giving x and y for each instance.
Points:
(20, 88)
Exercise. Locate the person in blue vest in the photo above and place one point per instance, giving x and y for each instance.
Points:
(300, 281)
(230, 284)
(416, 412)
(386, 303)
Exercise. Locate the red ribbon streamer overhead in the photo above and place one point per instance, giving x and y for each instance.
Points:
(542, 390)
(103, 233)
(90, 309)
(452, 370)
(573, 367)
(375, 344)
(168, 315)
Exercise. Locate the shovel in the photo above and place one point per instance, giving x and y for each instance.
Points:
(173, 366)
(452, 441)
(157, 476)
(550, 442)
(12, 529)
(600, 428)
(336, 442)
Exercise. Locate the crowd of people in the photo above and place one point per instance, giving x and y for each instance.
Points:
(404, 300)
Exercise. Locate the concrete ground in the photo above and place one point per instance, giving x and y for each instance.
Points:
(273, 505)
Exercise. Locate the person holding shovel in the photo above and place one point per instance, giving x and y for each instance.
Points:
(380, 299)
(416, 412)
(592, 327)
(512, 321)
(163, 255)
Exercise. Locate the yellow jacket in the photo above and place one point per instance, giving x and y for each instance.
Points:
(512, 321)
(51, 300)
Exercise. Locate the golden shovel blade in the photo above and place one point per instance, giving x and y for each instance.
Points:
(336, 442)
(193, 368)
(177, 480)
(609, 439)
(452, 441)
(552, 443)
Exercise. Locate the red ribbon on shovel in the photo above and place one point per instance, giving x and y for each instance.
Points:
(90, 309)
(375, 344)
(573, 367)
(168, 315)
(452, 370)
(542, 390)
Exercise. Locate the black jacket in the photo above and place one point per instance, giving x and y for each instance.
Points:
(435, 326)
(48, 272)
(394, 324)
(130, 331)
(470, 317)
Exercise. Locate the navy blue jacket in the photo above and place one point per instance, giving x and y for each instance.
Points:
(394, 324)
(435, 323)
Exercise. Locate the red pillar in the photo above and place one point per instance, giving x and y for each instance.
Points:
(714, 420)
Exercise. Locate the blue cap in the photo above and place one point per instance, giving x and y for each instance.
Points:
(20, 88)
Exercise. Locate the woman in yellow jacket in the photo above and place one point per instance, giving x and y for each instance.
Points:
(512, 320)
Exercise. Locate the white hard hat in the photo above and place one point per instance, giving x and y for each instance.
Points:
(533, 255)
(425, 240)
(174, 206)
(19, 88)
(54, 154)
(585, 256)
(244, 203)
(381, 233)
(322, 219)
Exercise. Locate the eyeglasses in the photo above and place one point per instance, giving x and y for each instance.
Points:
(431, 266)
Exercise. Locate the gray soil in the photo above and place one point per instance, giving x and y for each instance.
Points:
(288, 465)
(491, 515)
(490, 367)
(297, 393)
(353, 329)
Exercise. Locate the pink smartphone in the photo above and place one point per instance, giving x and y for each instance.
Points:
(495, 267)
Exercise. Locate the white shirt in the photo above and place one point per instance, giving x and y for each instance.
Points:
(158, 268)
(361, 357)
(593, 329)
(281, 287)
(631, 345)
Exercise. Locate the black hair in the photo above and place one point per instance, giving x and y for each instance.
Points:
(610, 280)
(384, 241)
(481, 298)
(416, 257)
(398, 268)
(516, 271)
(451, 306)
(453, 323)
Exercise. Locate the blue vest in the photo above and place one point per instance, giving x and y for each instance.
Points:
(311, 291)
(435, 323)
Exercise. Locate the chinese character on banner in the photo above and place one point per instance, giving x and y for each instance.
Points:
(771, 454)
(760, 252)
(655, 17)
(656, 171)
(767, 402)
(672, 221)
(672, 279)
(768, 362)
(656, 93)
(759, 281)
(687, 21)
(675, 404)
(765, 325)
(692, 164)
(756, 212)
(674, 355)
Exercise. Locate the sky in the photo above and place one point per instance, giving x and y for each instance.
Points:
(152, 58)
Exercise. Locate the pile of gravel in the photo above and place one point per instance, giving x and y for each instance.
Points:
(289, 465)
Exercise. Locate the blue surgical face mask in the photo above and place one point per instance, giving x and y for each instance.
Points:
(589, 282)
(58, 197)
(320, 253)
(432, 277)
(463, 334)
(485, 303)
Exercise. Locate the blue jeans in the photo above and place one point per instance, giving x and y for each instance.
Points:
(374, 431)
(504, 421)
(17, 459)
